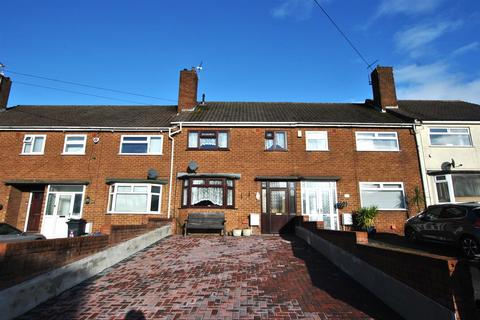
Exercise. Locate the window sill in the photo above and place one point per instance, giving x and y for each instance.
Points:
(447, 147)
(140, 154)
(378, 150)
(32, 154)
(277, 150)
(218, 208)
(72, 154)
(323, 150)
(199, 149)
(135, 213)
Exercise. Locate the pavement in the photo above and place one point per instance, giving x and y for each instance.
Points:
(213, 277)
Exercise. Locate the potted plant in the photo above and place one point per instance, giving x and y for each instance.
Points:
(365, 219)
(237, 232)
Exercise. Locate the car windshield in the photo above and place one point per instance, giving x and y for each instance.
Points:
(5, 229)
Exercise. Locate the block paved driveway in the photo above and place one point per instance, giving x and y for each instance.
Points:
(212, 277)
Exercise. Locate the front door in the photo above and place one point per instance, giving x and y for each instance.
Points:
(35, 211)
(63, 203)
(318, 202)
(278, 206)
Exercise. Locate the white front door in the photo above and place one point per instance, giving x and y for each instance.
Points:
(318, 202)
(63, 203)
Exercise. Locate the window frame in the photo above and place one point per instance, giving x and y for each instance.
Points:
(324, 133)
(215, 132)
(448, 133)
(383, 189)
(34, 137)
(65, 143)
(275, 132)
(450, 185)
(57, 193)
(376, 137)
(112, 199)
(147, 142)
(224, 187)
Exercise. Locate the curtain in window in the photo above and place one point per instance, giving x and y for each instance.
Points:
(222, 140)
(316, 144)
(207, 196)
(131, 203)
(37, 144)
(466, 185)
(384, 199)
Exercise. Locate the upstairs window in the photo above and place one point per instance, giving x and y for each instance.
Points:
(275, 140)
(74, 144)
(134, 198)
(316, 140)
(208, 140)
(383, 195)
(377, 141)
(152, 145)
(33, 144)
(450, 137)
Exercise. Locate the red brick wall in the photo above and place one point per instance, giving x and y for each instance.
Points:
(248, 158)
(101, 161)
(23, 260)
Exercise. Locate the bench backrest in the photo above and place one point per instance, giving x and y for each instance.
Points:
(206, 217)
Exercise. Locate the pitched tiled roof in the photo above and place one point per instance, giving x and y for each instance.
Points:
(88, 116)
(287, 112)
(438, 110)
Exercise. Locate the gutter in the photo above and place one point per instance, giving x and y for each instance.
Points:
(293, 124)
(55, 128)
(172, 152)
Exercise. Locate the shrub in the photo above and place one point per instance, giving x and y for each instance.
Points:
(364, 217)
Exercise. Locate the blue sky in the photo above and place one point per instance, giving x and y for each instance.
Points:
(252, 50)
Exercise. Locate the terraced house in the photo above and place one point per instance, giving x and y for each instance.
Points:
(259, 163)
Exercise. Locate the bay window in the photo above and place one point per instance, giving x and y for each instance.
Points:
(208, 192)
(134, 198)
(383, 195)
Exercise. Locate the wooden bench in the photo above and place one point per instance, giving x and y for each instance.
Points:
(205, 221)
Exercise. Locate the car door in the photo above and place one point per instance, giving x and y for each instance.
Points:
(429, 227)
(451, 221)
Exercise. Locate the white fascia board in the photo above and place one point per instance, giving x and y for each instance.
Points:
(294, 124)
(123, 129)
(466, 122)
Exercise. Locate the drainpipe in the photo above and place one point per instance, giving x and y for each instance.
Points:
(172, 152)
(421, 158)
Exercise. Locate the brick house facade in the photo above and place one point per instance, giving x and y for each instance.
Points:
(249, 158)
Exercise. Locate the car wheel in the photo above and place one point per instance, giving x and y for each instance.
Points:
(411, 235)
(470, 247)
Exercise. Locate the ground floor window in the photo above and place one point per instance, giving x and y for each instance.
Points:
(208, 192)
(135, 198)
(458, 187)
(64, 200)
(383, 195)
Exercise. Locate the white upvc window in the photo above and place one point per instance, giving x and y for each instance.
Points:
(133, 198)
(383, 195)
(74, 144)
(377, 141)
(34, 144)
(316, 140)
(457, 187)
(65, 200)
(139, 145)
(450, 137)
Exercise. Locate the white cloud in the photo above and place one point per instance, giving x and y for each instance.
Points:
(298, 9)
(466, 48)
(416, 39)
(436, 82)
(408, 7)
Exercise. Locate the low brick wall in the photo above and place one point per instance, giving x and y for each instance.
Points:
(120, 233)
(23, 260)
(443, 279)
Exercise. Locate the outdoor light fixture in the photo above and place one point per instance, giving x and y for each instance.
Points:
(87, 200)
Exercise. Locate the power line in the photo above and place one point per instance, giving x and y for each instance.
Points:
(344, 36)
(78, 92)
(87, 85)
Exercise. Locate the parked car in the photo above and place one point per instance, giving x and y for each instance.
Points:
(12, 234)
(457, 224)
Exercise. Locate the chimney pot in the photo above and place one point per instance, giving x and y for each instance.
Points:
(187, 93)
(383, 87)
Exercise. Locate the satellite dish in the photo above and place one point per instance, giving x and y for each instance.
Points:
(152, 174)
(446, 166)
(192, 167)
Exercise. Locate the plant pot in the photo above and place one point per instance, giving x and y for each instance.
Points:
(371, 231)
(247, 232)
(237, 232)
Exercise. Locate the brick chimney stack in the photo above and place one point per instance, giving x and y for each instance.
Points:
(383, 86)
(187, 93)
(5, 84)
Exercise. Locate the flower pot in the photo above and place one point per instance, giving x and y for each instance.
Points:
(237, 232)
(247, 232)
